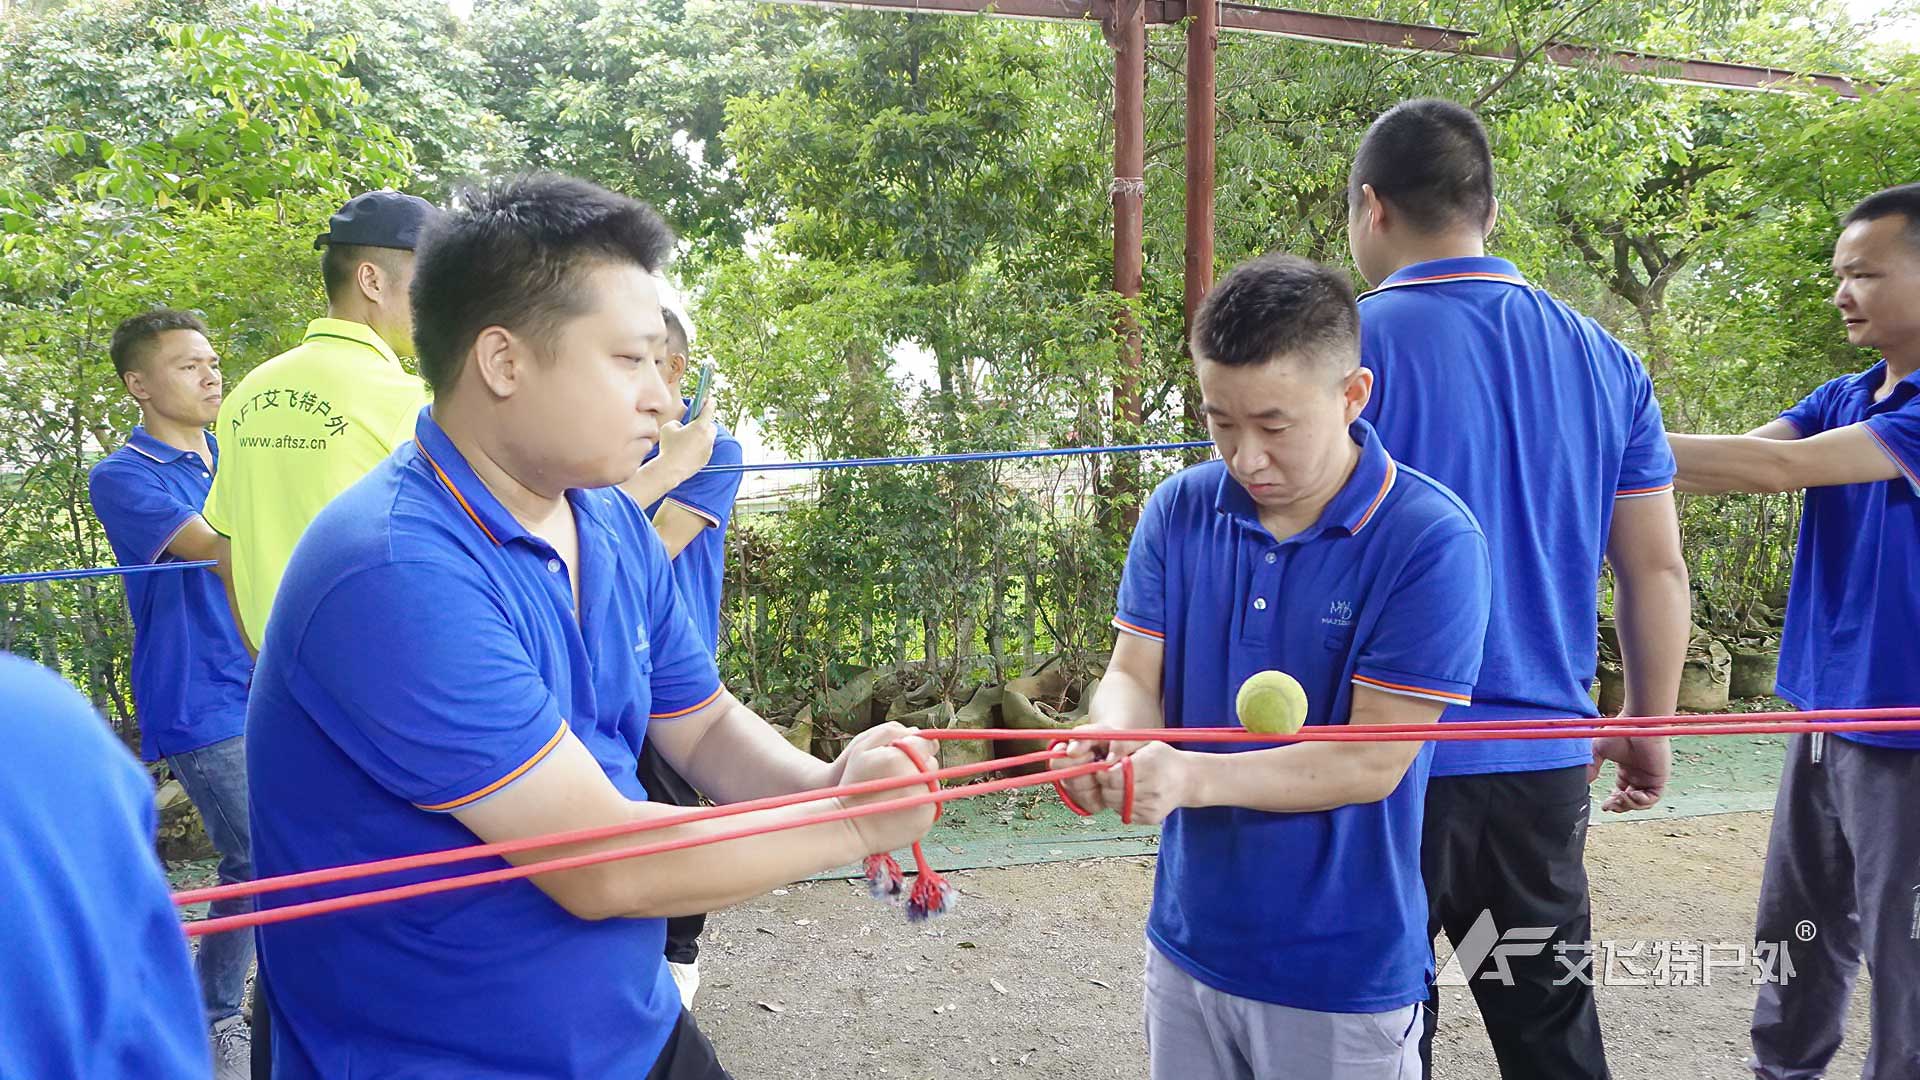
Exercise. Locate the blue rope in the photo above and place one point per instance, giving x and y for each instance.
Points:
(97, 571)
(784, 466)
(939, 459)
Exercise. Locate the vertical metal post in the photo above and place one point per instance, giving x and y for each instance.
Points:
(1203, 42)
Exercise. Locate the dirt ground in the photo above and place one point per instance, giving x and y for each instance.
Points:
(1037, 973)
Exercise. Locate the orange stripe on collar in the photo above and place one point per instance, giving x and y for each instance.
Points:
(459, 498)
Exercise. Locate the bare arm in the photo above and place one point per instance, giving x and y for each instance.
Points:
(568, 790)
(1653, 610)
(222, 553)
(1653, 607)
(1299, 779)
(684, 450)
(1769, 460)
(1128, 698)
(728, 752)
(677, 526)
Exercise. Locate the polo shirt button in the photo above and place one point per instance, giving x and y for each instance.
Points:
(1270, 557)
(1259, 603)
(553, 565)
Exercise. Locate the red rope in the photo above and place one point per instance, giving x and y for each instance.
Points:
(269, 916)
(1903, 719)
(329, 875)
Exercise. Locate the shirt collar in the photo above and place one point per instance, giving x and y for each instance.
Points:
(450, 468)
(1441, 271)
(1869, 380)
(149, 447)
(479, 505)
(356, 332)
(1352, 508)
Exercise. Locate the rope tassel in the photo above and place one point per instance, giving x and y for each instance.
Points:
(932, 894)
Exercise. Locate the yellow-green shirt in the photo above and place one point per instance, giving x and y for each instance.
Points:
(298, 430)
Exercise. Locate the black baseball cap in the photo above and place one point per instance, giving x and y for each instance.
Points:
(385, 219)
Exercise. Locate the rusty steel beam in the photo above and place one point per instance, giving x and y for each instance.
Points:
(1126, 30)
(1381, 33)
(1203, 42)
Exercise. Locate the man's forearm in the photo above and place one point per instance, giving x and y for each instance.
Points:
(652, 481)
(1653, 612)
(1302, 779)
(1713, 464)
(742, 757)
(1122, 702)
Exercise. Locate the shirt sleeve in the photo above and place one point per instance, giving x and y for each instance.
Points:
(710, 495)
(140, 515)
(1142, 609)
(1647, 467)
(1898, 433)
(416, 672)
(1809, 415)
(1428, 643)
(684, 678)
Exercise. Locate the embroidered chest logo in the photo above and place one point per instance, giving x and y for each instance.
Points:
(1339, 613)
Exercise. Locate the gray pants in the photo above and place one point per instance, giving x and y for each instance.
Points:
(1195, 1032)
(1843, 866)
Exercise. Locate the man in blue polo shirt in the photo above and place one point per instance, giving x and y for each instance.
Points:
(190, 669)
(689, 507)
(1288, 931)
(96, 976)
(473, 643)
(1548, 430)
(1845, 854)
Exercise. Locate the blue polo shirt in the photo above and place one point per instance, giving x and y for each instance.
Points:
(1540, 421)
(422, 654)
(190, 670)
(1321, 911)
(1853, 608)
(700, 567)
(95, 969)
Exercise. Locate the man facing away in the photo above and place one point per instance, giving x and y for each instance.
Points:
(1548, 430)
(302, 427)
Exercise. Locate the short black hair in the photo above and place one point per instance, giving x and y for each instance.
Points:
(1903, 200)
(1279, 306)
(676, 333)
(1432, 160)
(511, 253)
(135, 334)
(340, 262)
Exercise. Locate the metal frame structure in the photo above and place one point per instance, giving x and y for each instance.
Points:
(1125, 24)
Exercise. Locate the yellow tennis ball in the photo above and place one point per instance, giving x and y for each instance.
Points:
(1271, 703)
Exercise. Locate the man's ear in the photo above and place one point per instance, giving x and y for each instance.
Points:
(500, 360)
(371, 279)
(673, 368)
(1493, 218)
(1357, 389)
(136, 384)
(1373, 210)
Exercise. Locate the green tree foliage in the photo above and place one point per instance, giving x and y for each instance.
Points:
(899, 229)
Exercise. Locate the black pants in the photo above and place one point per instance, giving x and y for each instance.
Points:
(666, 786)
(262, 1028)
(688, 1055)
(1509, 848)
